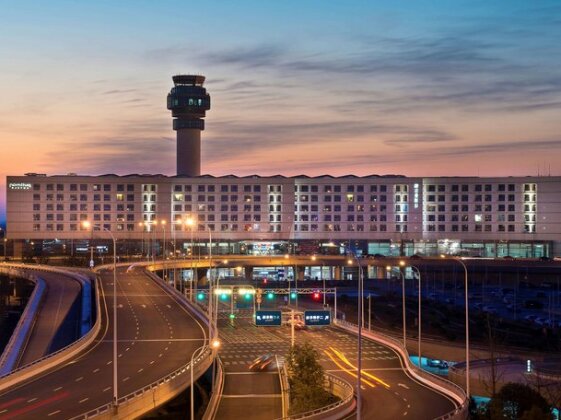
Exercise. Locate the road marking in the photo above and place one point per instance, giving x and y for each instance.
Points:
(405, 413)
(109, 362)
(53, 413)
(31, 400)
(152, 362)
(403, 386)
(57, 389)
(126, 379)
(96, 370)
(139, 370)
(84, 400)
(107, 389)
(79, 379)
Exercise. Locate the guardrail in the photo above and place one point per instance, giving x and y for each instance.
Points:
(339, 409)
(60, 356)
(212, 407)
(150, 396)
(24, 327)
(156, 393)
(444, 386)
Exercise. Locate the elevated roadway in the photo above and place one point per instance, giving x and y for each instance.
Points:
(156, 336)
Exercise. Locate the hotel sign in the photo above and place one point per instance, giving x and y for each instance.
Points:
(19, 186)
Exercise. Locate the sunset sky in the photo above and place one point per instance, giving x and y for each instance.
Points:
(419, 88)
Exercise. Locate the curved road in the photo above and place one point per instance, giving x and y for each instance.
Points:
(156, 335)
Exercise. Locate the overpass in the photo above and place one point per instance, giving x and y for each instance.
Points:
(157, 335)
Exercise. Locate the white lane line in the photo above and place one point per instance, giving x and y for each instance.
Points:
(83, 401)
(139, 370)
(109, 362)
(152, 362)
(79, 379)
(57, 389)
(107, 389)
(96, 370)
(126, 379)
(53, 413)
(31, 400)
(3, 411)
(403, 386)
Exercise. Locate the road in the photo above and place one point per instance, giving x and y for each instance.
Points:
(156, 336)
(385, 382)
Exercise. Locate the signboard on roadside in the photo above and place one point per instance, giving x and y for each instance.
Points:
(268, 318)
(315, 318)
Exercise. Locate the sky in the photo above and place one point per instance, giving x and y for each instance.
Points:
(418, 88)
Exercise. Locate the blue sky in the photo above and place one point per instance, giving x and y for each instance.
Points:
(420, 88)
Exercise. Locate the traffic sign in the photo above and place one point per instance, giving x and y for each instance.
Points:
(268, 318)
(312, 318)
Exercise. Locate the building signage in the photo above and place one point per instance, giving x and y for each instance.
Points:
(19, 186)
(268, 318)
(312, 318)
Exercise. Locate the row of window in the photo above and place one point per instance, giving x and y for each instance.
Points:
(223, 188)
(85, 187)
(84, 197)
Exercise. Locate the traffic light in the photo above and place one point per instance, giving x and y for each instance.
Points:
(223, 296)
(316, 296)
(293, 295)
(200, 296)
(270, 295)
(247, 296)
(232, 316)
(264, 281)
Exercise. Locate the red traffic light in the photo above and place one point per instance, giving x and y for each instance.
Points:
(264, 281)
(316, 296)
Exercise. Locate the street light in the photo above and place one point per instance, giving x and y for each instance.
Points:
(467, 317)
(418, 310)
(191, 223)
(388, 269)
(87, 225)
(359, 344)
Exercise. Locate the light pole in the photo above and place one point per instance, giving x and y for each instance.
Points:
(359, 344)
(5, 247)
(389, 268)
(459, 260)
(191, 223)
(416, 269)
(115, 381)
(163, 223)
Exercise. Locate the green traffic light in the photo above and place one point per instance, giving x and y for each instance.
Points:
(270, 295)
(201, 296)
(293, 295)
(247, 296)
(223, 296)
(232, 316)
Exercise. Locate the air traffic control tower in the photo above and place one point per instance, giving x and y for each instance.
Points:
(188, 102)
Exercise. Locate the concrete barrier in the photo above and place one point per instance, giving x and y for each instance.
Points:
(212, 407)
(13, 350)
(441, 385)
(61, 356)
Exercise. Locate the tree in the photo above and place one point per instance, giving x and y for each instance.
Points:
(518, 402)
(306, 380)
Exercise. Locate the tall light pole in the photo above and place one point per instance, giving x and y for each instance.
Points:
(190, 222)
(359, 344)
(87, 224)
(459, 260)
(163, 223)
(416, 269)
(389, 268)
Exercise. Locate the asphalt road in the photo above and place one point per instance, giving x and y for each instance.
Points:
(155, 337)
(55, 326)
(388, 393)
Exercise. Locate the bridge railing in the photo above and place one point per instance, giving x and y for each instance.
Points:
(60, 356)
(125, 403)
(339, 409)
(24, 327)
(212, 407)
(456, 393)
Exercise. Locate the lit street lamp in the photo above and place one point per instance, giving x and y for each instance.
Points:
(359, 344)
(191, 223)
(467, 318)
(87, 225)
(388, 269)
(418, 308)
